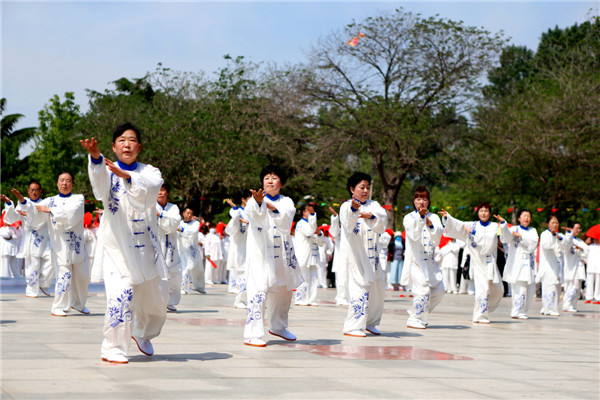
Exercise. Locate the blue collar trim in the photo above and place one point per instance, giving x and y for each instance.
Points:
(522, 227)
(64, 195)
(126, 167)
(272, 198)
(486, 223)
(304, 219)
(36, 201)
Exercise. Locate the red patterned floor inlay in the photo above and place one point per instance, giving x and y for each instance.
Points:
(376, 352)
(209, 321)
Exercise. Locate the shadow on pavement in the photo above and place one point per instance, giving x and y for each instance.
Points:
(181, 357)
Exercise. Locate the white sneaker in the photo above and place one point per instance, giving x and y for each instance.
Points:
(144, 345)
(171, 308)
(116, 359)
(255, 342)
(58, 313)
(84, 311)
(183, 291)
(482, 321)
(553, 314)
(355, 333)
(374, 330)
(284, 334)
(522, 316)
(415, 325)
(240, 305)
(570, 309)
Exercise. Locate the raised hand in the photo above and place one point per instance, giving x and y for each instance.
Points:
(18, 195)
(91, 146)
(258, 195)
(355, 204)
(331, 210)
(230, 202)
(499, 218)
(365, 215)
(5, 198)
(116, 170)
(443, 213)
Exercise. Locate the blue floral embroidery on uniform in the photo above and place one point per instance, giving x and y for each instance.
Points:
(519, 302)
(571, 295)
(64, 283)
(360, 306)
(33, 278)
(259, 229)
(37, 238)
(356, 229)
(116, 189)
(241, 282)
(193, 251)
(301, 293)
(74, 242)
(421, 304)
(483, 303)
(119, 309)
(152, 234)
(517, 241)
(290, 255)
(549, 299)
(254, 308)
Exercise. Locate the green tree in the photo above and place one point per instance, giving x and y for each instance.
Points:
(399, 92)
(14, 170)
(57, 145)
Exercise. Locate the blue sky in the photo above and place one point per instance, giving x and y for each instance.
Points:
(52, 47)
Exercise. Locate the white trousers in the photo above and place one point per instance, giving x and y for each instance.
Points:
(426, 297)
(592, 286)
(175, 279)
(213, 274)
(71, 288)
(550, 295)
(341, 286)
(449, 277)
(232, 281)
(279, 303)
(365, 303)
(467, 286)
(306, 293)
(193, 277)
(571, 294)
(39, 272)
(240, 297)
(322, 275)
(138, 310)
(522, 295)
(487, 296)
(11, 266)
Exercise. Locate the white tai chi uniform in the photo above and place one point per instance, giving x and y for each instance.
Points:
(383, 244)
(35, 246)
(271, 264)
(519, 270)
(214, 250)
(574, 271)
(421, 273)
(307, 253)
(129, 255)
(592, 281)
(192, 257)
(550, 271)
(366, 277)
(68, 251)
(481, 246)
(168, 221)
(339, 267)
(9, 250)
(447, 259)
(236, 262)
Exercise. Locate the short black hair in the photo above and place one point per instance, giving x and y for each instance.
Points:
(166, 186)
(66, 172)
(422, 189)
(485, 204)
(522, 211)
(273, 169)
(355, 179)
(552, 216)
(36, 182)
(571, 224)
(120, 129)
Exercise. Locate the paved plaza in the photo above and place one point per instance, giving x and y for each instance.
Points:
(200, 353)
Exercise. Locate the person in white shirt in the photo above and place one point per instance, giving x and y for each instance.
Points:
(9, 250)
(237, 229)
(128, 255)
(550, 271)
(65, 215)
(481, 239)
(519, 270)
(35, 242)
(447, 258)
(420, 272)
(574, 271)
(192, 255)
(362, 221)
(272, 271)
(307, 253)
(168, 221)
(213, 251)
(339, 267)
